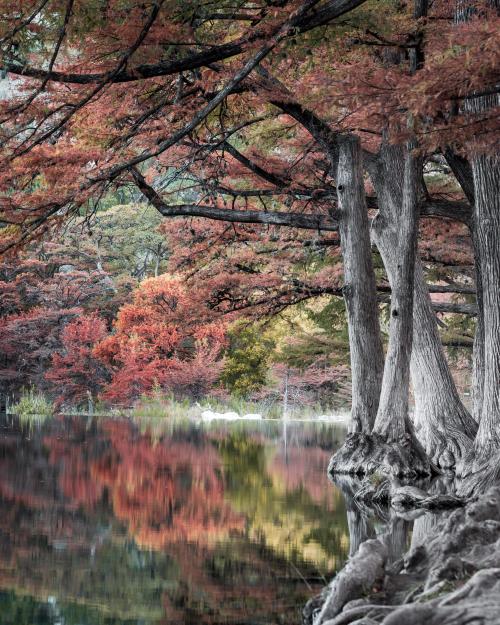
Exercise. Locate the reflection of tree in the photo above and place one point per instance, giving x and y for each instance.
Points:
(359, 520)
(285, 508)
(300, 469)
(81, 504)
(165, 490)
(373, 521)
(233, 583)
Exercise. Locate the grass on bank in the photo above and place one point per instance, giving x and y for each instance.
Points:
(166, 406)
(32, 405)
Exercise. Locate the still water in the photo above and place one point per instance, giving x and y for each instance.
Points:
(113, 522)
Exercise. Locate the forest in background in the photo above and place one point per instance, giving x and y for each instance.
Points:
(315, 148)
(101, 309)
(82, 310)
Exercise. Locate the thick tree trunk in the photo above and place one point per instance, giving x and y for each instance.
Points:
(392, 415)
(480, 186)
(398, 225)
(486, 171)
(360, 291)
(444, 427)
(392, 447)
(477, 387)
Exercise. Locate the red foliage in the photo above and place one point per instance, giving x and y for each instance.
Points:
(162, 339)
(27, 344)
(41, 290)
(76, 372)
(243, 271)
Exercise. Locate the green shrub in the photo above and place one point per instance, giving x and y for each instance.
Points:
(32, 405)
(246, 365)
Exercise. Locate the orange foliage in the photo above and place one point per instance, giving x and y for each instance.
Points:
(162, 339)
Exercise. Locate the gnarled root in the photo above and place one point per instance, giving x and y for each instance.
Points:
(450, 576)
(365, 454)
(355, 580)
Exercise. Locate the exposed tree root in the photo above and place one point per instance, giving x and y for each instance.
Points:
(478, 475)
(450, 575)
(371, 495)
(406, 497)
(365, 454)
(355, 580)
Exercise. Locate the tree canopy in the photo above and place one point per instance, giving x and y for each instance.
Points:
(293, 135)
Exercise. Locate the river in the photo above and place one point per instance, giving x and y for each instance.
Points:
(115, 522)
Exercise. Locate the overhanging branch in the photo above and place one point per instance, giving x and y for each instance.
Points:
(301, 23)
(272, 218)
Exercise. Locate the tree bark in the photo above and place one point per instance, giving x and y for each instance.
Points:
(486, 172)
(392, 416)
(403, 454)
(360, 289)
(443, 425)
(470, 179)
(392, 447)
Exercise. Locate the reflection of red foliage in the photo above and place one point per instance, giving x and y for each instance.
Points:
(164, 491)
(300, 468)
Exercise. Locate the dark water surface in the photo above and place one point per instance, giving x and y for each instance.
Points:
(114, 522)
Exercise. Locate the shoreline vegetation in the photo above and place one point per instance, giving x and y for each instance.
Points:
(34, 403)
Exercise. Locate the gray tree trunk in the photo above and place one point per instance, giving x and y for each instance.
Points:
(392, 415)
(392, 446)
(477, 386)
(443, 425)
(486, 172)
(471, 185)
(360, 291)
(462, 171)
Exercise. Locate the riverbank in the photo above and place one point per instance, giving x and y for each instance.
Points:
(450, 574)
(33, 403)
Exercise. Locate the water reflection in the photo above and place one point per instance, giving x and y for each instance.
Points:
(402, 532)
(115, 522)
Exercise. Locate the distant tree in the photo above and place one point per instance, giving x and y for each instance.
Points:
(75, 372)
(28, 342)
(41, 290)
(247, 359)
(164, 339)
(122, 240)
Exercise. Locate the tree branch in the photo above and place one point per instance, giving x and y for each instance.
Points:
(203, 113)
(301, 23)
(273, 218)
